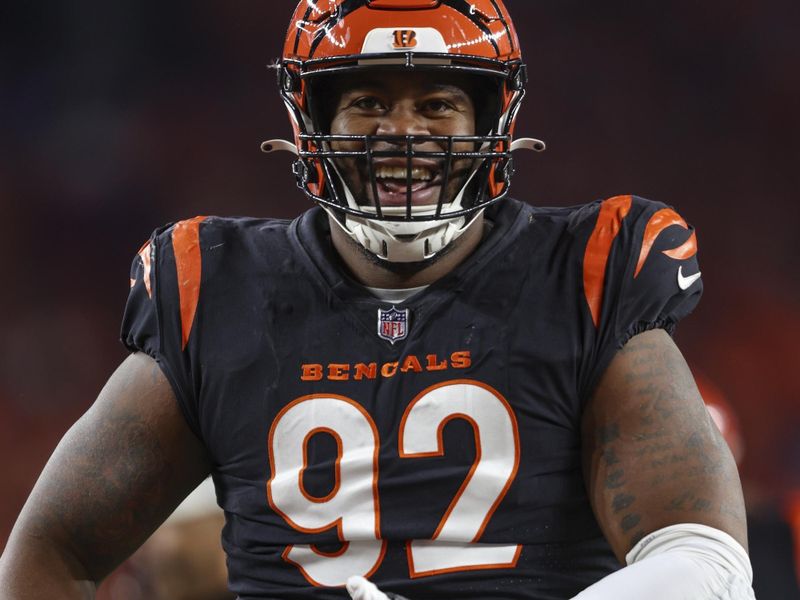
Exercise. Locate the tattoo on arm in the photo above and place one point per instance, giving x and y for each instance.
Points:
(653, 451)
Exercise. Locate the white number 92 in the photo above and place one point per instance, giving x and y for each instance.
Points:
(353, 506)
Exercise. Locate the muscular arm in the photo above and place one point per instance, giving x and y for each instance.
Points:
(652, 456)
(115, 476)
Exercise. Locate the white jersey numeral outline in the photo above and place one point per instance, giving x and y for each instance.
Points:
(453, 545)
(353, 507)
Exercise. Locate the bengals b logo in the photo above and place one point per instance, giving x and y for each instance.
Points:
(405, 38)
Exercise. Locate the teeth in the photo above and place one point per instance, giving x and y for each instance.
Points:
(417, 173)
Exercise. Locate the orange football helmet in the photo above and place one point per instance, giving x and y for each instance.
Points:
(476, 38)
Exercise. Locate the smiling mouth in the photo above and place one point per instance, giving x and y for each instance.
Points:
(385, 172)
(392, 184)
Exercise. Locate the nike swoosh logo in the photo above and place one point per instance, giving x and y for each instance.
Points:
(686, 282)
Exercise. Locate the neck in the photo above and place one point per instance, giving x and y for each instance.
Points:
(372, 272)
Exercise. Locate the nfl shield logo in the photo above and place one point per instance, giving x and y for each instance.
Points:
(393, 324)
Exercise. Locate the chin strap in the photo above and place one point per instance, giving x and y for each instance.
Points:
(402, 241)
(381, 238)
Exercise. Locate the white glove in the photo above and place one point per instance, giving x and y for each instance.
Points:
(361, 589)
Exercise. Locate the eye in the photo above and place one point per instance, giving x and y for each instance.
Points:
(438, 105)
(368, 103)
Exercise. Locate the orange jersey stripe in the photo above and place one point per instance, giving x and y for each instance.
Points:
(658, 222)
(687, 250)
(609, 221)
(186, 246)
(144, 254)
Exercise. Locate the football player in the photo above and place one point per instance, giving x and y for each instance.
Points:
(419, 385)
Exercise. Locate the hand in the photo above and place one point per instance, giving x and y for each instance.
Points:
(361, 589)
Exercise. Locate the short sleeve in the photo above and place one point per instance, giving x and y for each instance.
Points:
(140, 327)
(151, 321)
(661, 281)
(651, 279)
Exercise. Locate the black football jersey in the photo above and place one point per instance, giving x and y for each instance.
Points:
(433, 445)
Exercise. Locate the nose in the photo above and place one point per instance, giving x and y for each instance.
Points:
(403, 120)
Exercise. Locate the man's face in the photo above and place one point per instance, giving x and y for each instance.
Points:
(400, 104)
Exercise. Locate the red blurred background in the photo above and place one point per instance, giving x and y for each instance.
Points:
(118, 117)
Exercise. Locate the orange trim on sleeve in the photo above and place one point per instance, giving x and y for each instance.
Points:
(612, 212)
(144, 254)
(662, 219)
(687, 250)
(186, 246)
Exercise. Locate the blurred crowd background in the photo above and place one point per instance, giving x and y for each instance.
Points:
(117, 117)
